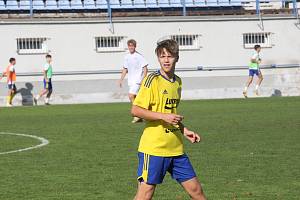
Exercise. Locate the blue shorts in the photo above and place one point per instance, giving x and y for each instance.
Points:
(12, 87)
(152, 169)
(48, 85)
(253, 72)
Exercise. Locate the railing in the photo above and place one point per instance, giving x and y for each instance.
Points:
(188, 69)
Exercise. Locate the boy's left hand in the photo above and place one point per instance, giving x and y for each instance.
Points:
(191, 136)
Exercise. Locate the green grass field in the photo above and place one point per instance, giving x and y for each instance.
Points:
(250, 150)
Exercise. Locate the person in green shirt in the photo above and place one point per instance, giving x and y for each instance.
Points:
(254, 70)
(47, 81)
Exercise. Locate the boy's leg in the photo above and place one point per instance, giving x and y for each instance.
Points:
(194, 189)
(248, 83)
(260, 79)
(145, 191)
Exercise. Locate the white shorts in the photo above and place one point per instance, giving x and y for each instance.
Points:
(134, 89)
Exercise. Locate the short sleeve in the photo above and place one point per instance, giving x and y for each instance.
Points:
(46, 67)
(11, 68)
(254, 56)
(143, 61)
(145, 96)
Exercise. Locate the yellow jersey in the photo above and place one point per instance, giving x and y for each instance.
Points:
(158, 94)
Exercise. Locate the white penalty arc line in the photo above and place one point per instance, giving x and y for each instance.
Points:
(43, 141)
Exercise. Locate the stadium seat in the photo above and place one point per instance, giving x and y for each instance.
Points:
(163, 3)
(101, 4)
(12, 5)
(127, 4)
(139, 4)
(38, 5)
(25, 4)
(151, 4)
(64, 4)
(189, 3)
(51, 5)
(223, 3)
(212, 3)
(200, 3)
(175, 3)
(76, 4)
(2, 5)
(235, 2)
(89, 4)
(114, 4)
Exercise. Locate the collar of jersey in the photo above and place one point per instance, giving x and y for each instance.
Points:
(174, 78)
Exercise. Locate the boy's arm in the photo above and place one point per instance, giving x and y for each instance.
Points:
(188, 134)
(145, 71)
(153, 116)
(123, 74)
(45, 75)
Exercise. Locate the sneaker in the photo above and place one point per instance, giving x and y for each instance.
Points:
(256, 92)
(136, 120)
(245, 94)
(9, 105)
(47, 104)
(35, 101)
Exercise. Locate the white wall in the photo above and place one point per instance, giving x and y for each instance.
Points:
(73, 46)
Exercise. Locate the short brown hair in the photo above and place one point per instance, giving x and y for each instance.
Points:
(48, 56)
(131, 41)
(170, 45)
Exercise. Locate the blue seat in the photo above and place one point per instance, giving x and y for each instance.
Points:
(127, 4)
(235, 2)
(64, 4)
(51, 5)
(175, 3)
(189, 3)
(163, 3)
(101, 4)
(76, 4)
(89, 4)
(115, 4)
(224, 3)
(38, 5)
(200, 3)
(151, 4)
(2, 5)
(212, 3)
(139, 4)
(24, 4)
(12, 5)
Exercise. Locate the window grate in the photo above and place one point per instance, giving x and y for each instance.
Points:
(32, 46)
(263, 39)
(187, 41)
(110, 43)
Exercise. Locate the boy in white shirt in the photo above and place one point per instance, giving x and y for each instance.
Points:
(135, 66)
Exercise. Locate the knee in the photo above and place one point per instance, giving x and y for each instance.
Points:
(197, 193)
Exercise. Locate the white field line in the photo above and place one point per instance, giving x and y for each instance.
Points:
(43, 141)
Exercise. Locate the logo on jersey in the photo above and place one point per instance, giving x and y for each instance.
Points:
(171, 130)
(165, 92)
(171, 103)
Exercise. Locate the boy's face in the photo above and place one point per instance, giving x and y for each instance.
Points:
(48, 59)
(131, 48)
(258, 49)
(167, 61)
(14, 62)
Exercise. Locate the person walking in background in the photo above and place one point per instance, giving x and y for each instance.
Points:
(135, 66)
(10, 73)
(254, 70)
(47, 81)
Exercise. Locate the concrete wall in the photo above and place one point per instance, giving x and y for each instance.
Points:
(72, 45)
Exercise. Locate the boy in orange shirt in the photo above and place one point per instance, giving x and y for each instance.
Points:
(10, 73)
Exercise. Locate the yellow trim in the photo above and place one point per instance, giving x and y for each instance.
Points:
(145, 168)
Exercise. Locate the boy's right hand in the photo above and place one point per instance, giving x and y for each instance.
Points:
(172, 118)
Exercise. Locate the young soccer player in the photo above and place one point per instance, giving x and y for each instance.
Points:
(161, 145)
(136, 67)
(254, 70)
(47, 81)
(10, 73)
